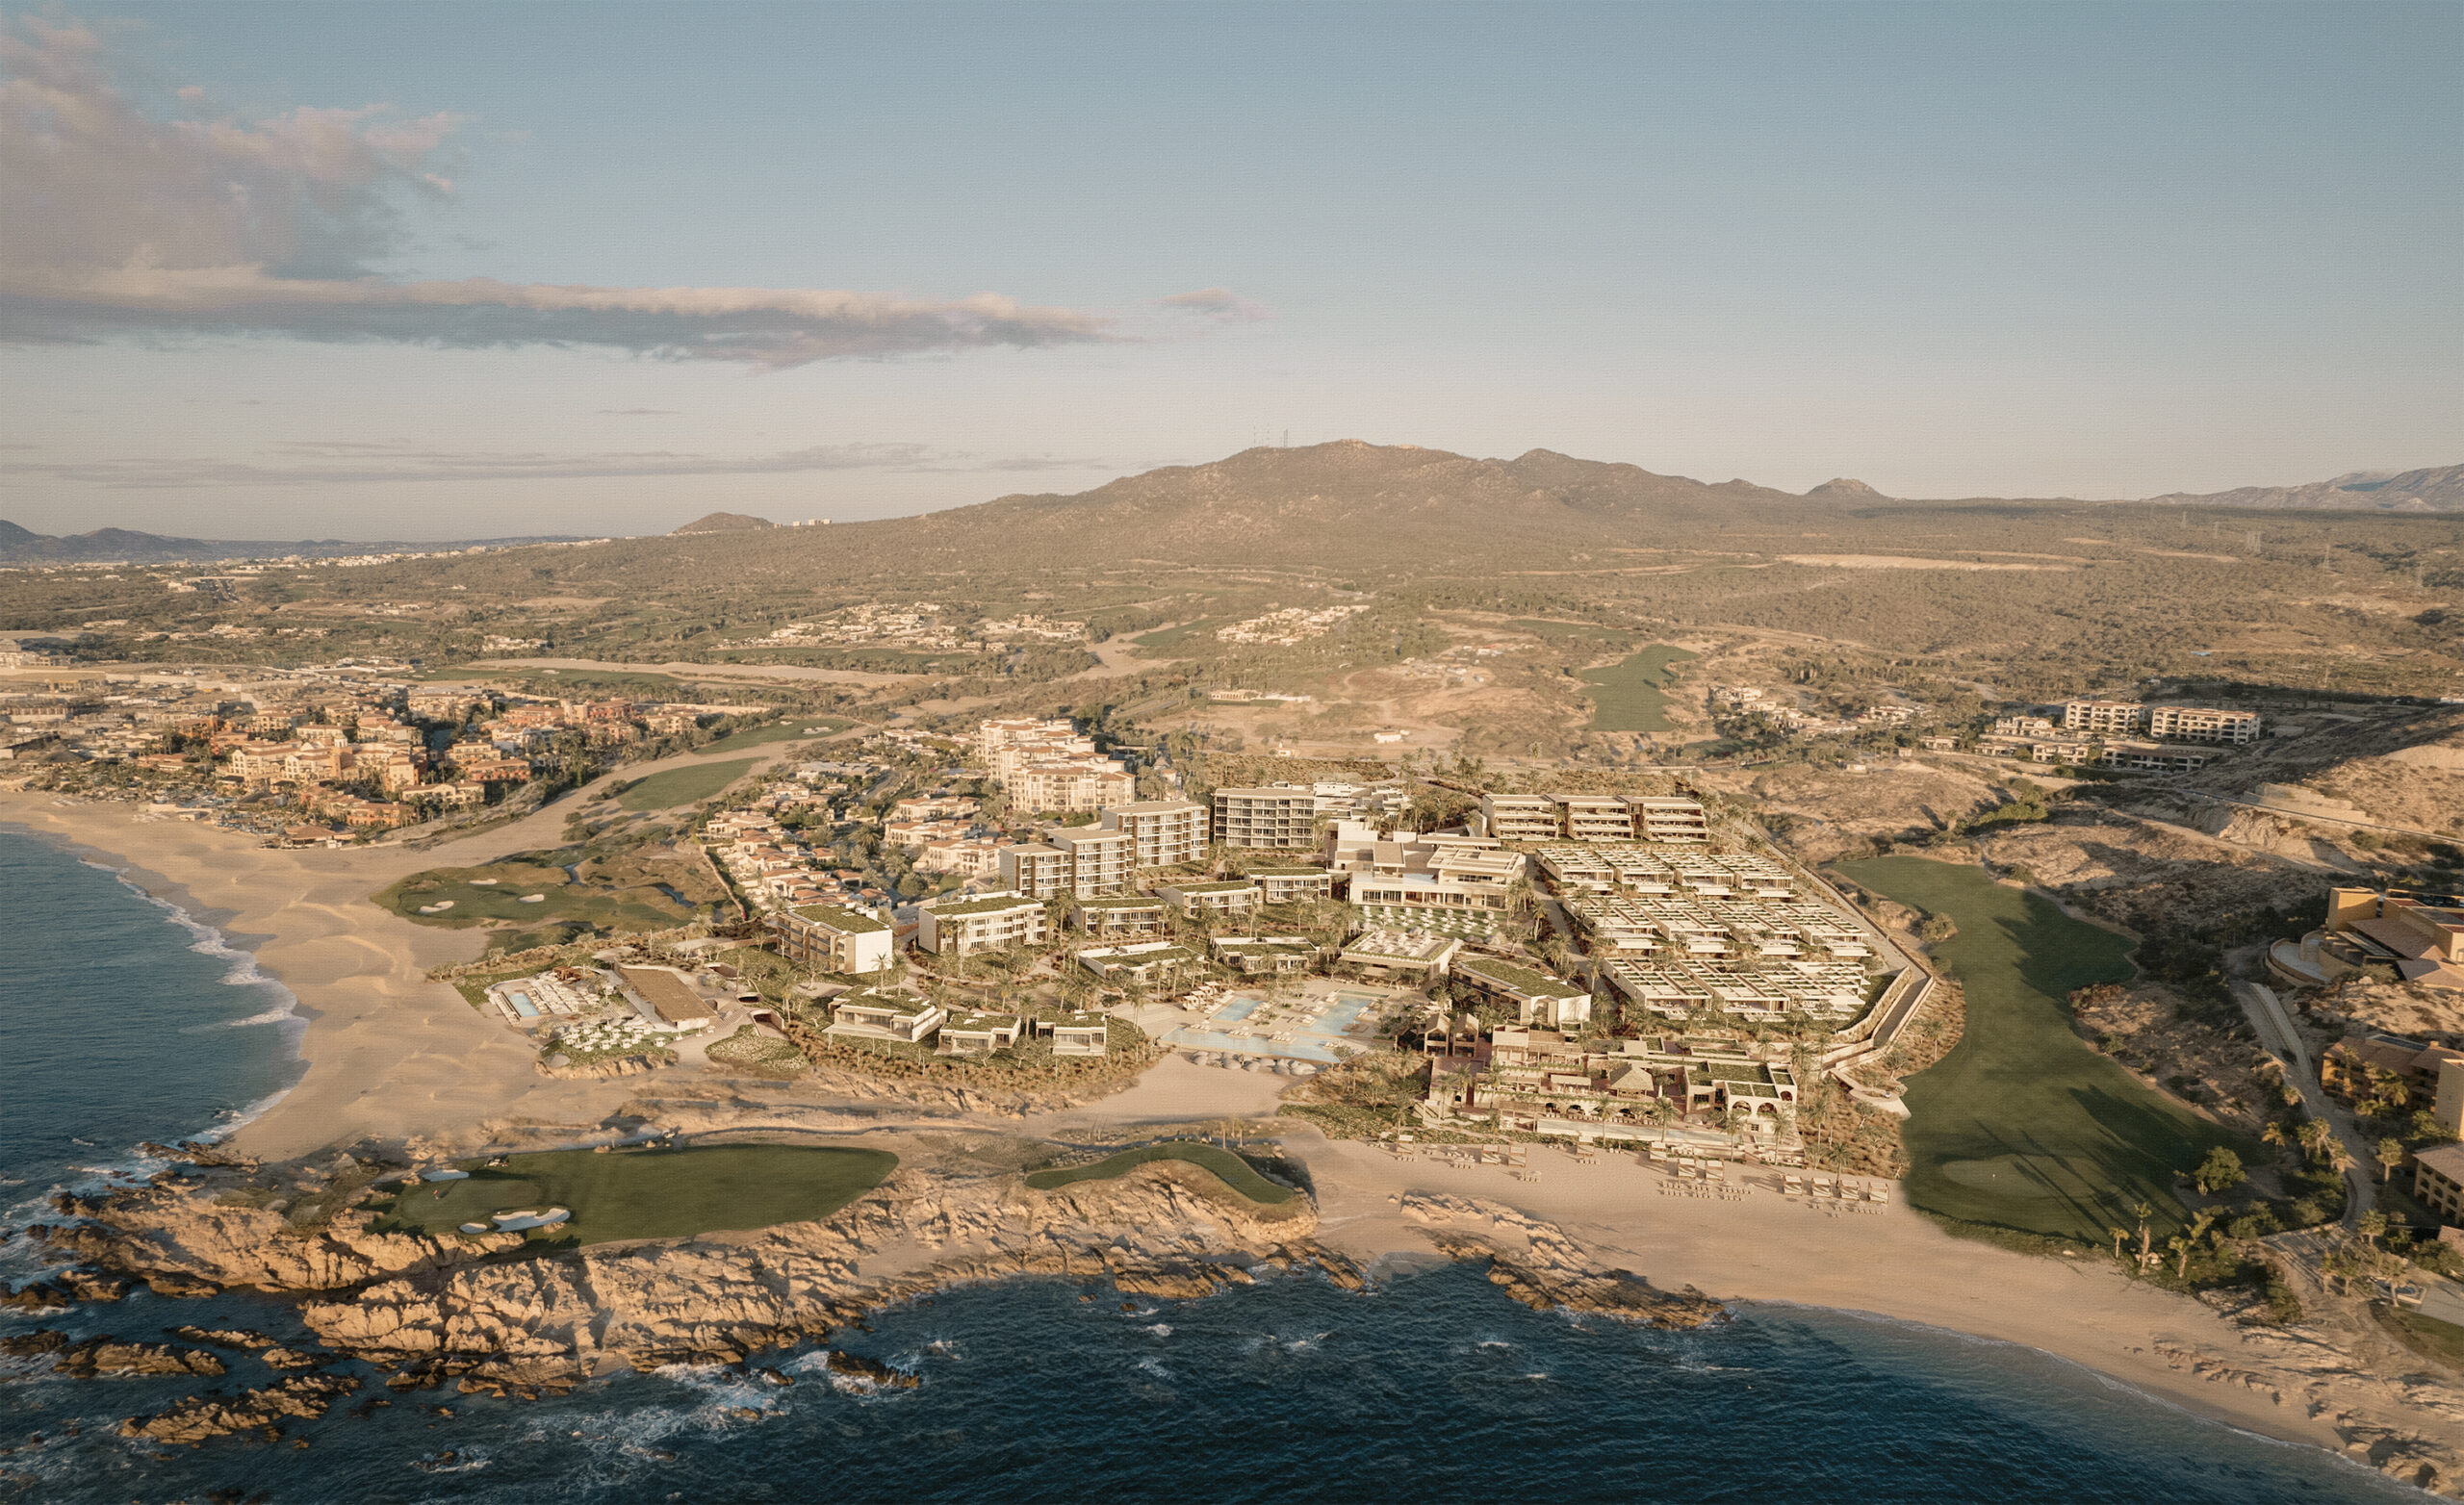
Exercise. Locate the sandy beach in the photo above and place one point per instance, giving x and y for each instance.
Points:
(388, 1054)
(392, 1056)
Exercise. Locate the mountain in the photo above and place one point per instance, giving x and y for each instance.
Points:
(2435, 489)
(1840, 488)
(722, 523)
(22, 545)
(1343, 503)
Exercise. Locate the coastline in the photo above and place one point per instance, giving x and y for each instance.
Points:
(384, 1052)
(388, 1055)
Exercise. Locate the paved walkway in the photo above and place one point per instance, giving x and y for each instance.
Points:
(2268, 1016)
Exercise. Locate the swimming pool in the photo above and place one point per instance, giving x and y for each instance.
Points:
(1240, 1006)
(522, 1006)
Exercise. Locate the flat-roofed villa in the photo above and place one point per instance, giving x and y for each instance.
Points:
(1124, 916)
(1143, 963)
(1537, 996)
(1079, 1032)
(833, 938)
(1254, 955)
(1603, 868)
(983, 922)
(979, 1034)
(1290, 884)
(1203, 895)
(871, 1015)
(1384, 953)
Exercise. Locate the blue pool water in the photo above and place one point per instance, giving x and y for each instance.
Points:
(121, 1023)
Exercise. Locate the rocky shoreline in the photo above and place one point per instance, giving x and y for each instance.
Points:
(430, 1311)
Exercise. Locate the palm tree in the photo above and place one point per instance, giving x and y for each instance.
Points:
(2390, 1154)
(2144, 1213)
(2315, 1137)
(2120, 1233)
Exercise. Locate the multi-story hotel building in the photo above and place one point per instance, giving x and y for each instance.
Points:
(1163, 832)
(981, 921)
(2203, 724)
(1274, 817)
(833, 938)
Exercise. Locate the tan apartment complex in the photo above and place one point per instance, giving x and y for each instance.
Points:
(2172, 722)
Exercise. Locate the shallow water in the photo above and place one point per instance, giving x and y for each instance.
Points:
(1432, 1384)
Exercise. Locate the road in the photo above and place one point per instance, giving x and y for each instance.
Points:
(2276, 1033)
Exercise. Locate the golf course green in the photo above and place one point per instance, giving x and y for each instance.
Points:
(2022, 1126)
(647, 1193)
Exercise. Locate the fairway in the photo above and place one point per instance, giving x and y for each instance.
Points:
(1228, 1168)
(776, 731)
(1632, 694)
(534, 889)
(683, 785)
(2021, 1125)
(644, 1194)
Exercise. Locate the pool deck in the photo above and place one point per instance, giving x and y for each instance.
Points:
(1321, 1025)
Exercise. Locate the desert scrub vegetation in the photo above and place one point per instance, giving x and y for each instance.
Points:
(754, 1050)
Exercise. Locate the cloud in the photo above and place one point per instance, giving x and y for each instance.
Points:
(1215, 303)
(124, 225)
(351, 461)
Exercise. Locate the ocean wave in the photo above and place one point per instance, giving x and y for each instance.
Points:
(243, 972)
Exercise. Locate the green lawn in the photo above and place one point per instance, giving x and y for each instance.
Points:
(2021, 1125)
(642, 1193)
(2429, 1336)
(1632, 694)
(776, 731)
(1228, 1168)
(683, 785)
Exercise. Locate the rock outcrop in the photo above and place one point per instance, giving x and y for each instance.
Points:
(182, 1242)
(108, 1355)
(199, 1418)
(523, 1327)
(1537, 1265)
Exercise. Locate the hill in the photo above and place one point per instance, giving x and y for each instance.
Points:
(723, 523)
(2436, 489)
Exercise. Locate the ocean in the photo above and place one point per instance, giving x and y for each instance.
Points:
(123, 1022)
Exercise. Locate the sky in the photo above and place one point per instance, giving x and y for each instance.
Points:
(473, 270)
